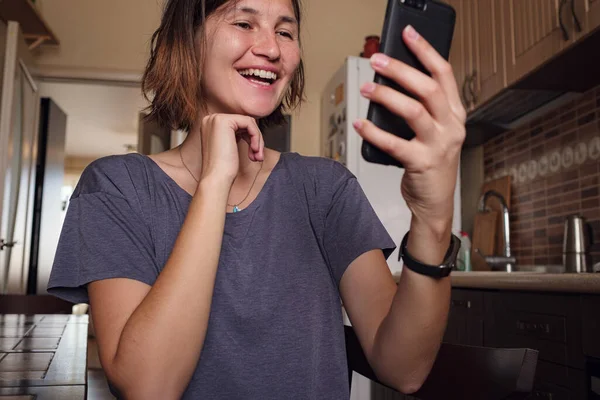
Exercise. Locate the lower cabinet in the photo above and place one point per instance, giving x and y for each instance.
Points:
(557, 325)
(564, 329)
(465, 321)
(591, 324)
(549, 323)
(557, 382)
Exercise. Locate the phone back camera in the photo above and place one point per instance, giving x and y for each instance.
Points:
(418, 4)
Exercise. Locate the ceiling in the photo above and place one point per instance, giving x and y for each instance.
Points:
(101, 119)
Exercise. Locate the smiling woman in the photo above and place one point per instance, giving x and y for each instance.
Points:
(217, 269)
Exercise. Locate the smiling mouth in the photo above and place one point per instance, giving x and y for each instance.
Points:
(259, 76)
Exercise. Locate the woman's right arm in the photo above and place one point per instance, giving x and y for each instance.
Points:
(150, 338)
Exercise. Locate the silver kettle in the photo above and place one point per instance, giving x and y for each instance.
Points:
(577, 241)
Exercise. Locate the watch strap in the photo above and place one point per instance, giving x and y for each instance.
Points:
(436, 271)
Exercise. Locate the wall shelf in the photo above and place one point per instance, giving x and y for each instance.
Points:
(35, 30)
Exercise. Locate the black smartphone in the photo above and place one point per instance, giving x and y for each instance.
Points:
(434, 21)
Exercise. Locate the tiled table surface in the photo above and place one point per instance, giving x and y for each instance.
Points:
(43, 357)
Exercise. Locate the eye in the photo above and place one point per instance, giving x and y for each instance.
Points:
(286, 34)
(243, 25)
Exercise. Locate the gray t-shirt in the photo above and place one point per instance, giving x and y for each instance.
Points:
(275, 330)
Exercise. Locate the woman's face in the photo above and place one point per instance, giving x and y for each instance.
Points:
(252, 52)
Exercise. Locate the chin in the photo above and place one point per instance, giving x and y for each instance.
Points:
(258, 112)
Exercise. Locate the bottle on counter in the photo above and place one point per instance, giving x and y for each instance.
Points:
(463, 261)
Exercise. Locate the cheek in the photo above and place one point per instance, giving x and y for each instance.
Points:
(291, 56)
(227, 46)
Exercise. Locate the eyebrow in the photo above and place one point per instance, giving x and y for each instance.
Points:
(253, 11)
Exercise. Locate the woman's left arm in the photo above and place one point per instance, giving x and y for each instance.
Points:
(401, 328)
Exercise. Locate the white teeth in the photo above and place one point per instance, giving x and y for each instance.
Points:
(260, 73)
(261, 83)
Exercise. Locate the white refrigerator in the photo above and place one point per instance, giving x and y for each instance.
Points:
(341, 104)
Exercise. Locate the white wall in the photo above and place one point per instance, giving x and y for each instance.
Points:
(102, 119)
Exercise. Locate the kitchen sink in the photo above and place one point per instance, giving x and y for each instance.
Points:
(530, 269)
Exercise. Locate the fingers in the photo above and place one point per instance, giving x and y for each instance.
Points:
(412, 111)
(236, 126)
(247, 129)
(395, 146)
(416, 82)
(256, 144)
(438, 92)
(440, 69)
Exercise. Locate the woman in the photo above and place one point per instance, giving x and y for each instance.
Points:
(215, 270)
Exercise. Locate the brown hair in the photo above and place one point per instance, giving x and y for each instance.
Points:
(171, 81)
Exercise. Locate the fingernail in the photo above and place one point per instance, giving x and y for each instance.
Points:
(380, 60)
(367, 88)
(357, 124)
(411, 33)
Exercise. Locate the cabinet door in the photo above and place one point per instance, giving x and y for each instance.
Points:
(593, 15)
(591, 325)
(488, 69)
(557, 382)
(465, 321)
(533, 34)
(588, 12)
(458, 51)
(549, 323)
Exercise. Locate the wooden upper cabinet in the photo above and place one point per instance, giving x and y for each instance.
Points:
(533, 33)
(497, 42)
(458, 51)
(588, 12)
(477, 53)
(593, 15)
(487, 71)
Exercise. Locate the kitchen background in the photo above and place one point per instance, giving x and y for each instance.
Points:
(511, 59)
(554, 164)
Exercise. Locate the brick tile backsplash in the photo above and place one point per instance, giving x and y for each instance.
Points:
(554, 162)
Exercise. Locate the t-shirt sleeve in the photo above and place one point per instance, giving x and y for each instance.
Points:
(103, 237)
(351, 225)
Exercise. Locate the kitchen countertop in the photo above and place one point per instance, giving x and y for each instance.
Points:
(527, 281)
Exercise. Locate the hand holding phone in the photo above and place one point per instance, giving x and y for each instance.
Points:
(434, 21)
(425, 96)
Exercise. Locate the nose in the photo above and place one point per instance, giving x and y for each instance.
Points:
(267, 46)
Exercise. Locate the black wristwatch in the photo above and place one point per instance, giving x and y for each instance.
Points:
(435, 271)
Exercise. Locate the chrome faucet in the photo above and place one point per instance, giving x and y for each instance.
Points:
(506, 261)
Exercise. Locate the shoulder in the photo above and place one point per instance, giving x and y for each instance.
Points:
(322, 179)
(117, 175)
(321, 170)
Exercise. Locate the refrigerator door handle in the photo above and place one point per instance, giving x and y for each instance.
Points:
(4, 244)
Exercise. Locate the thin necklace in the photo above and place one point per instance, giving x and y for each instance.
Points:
(236, 207)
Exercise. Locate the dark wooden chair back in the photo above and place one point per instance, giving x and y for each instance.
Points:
(463, 372)
(35, 304)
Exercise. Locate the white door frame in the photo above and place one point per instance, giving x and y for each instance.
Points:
(17, 58)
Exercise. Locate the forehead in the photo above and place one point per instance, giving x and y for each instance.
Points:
(273, 8)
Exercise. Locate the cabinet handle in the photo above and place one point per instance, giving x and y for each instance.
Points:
(532, 327)
(461, 303)
(464, 91)
(575, 18)
(474, 93)
(563, 3)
